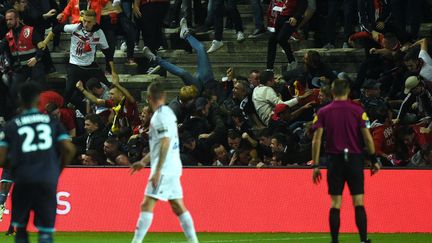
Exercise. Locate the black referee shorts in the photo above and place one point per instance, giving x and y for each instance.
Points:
(39, 198)
(340, 171)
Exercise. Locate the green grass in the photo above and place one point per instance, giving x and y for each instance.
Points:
(227, 237)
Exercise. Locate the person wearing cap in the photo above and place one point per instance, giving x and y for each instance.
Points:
(283, 116)
(265, 98)
(418, 98)
(346, 130)
(371, 95)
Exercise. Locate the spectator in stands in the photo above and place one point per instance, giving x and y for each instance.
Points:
(307, 16)
(409, 141)
(220, 155)
(408, 13)
(279, 145)
(100, 91)
(418, 100)
(371, 96)
(284, 118)
(233, 12)
(204, 70)
(374, 15)
(244, 155)
(64, 115)
(349, 9)
(197, 124)
(234, 139)
(383, 134)
(242, 99)
(265, 98)
(286, 16)
(93, 158)
(149, 16)
(21, 42)
(258, 19)
(86, 36)
(420, 63)
(184, 104)
(254, 78)
(113, 22)
(193, 151)
(145, 117)
(94, 138)
(39, 14)
(75, 8)
(239, 123)
(422, 158)
(113, 154)
(325, 96)
(263, 148)
(123, 104)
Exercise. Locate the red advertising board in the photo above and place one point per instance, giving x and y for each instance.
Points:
(241, 200)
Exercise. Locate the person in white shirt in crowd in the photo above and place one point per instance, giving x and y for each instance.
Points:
(420, 63)
(86, 37)
(265, 98)
(166, 167)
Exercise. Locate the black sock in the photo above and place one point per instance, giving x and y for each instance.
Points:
(21, 235)
(45, 237)
(334, 224)
(361, 221)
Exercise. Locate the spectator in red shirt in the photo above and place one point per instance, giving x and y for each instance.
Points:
(64, 115)
(74, 8)
(383, 134)
(123, 104)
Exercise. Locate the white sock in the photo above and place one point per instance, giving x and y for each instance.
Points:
(187, 224)
(143, 224)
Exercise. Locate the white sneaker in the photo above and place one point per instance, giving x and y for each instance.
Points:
(240, 36)
(149, 54)
(123, 47)
(153, 70)
(292, 65)
(184, 30)
(216, 45)
(136, 48)
(2, 209)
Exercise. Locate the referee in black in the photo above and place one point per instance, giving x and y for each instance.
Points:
(346, 131)
(38, 148)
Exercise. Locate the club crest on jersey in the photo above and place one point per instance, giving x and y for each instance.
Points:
(365, 117)
(26, 33)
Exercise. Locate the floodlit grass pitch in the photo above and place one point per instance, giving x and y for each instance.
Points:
(226, 238)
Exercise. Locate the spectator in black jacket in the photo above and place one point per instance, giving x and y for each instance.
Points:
(94, 137)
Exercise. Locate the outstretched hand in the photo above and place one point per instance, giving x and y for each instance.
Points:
(316, 177)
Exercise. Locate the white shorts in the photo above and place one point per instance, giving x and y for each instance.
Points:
(169, 188)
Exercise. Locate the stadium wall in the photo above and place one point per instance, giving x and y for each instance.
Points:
(241, 200)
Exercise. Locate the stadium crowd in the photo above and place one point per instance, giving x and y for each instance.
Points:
(257, 119)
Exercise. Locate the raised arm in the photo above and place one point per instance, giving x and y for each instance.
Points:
(125, 92)
(93, 99)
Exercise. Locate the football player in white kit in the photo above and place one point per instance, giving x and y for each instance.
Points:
(166, 168)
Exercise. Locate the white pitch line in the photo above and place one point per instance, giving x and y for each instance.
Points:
(256, 240)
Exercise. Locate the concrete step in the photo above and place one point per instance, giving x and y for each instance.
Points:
(170, 94)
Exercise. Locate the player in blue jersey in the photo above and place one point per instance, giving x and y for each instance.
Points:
(37, 147)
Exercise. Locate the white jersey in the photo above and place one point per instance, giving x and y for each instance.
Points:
(164, 124)
(83, 44)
